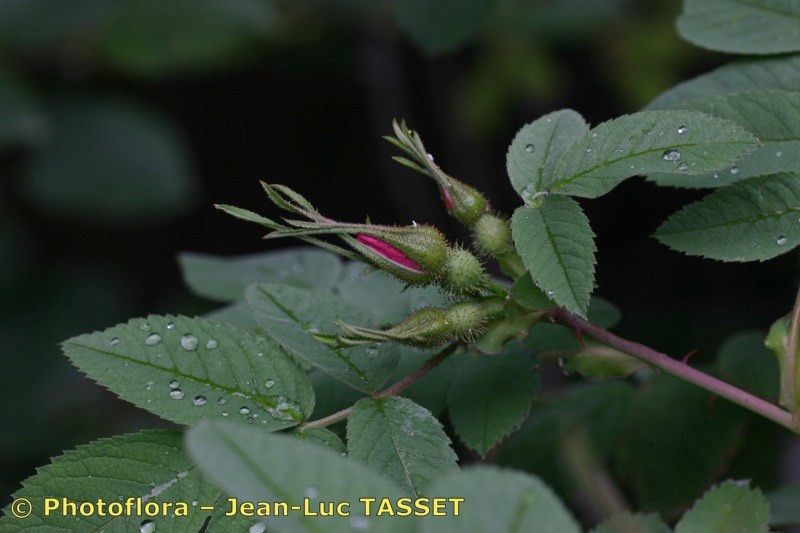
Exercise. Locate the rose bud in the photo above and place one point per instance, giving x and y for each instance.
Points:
(463, 273)
(463, 202)
(432, 326)
(492, 235)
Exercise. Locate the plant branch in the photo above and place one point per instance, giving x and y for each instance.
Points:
(392, 390)
(789, 376)
(677, 369)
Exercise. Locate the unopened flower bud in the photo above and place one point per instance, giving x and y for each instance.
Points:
(469, 319)
(463, 273)
(492, 235)
(414, 254)
(426, 328)
(463, 202)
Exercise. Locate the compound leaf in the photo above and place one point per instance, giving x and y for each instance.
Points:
(754, 219)
(556, 245)
(742, 26)
(401, 439)
(186, 369)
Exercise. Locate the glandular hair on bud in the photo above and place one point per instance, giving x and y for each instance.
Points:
(492, 234)
(463, 272)
(463, 202)
(469, 319)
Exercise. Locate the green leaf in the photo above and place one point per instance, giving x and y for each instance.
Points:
(153, 39)
(401, 439)
(525, 292)
(602, 409)
(772, 115)
(386, 299)
(744, 361)
(441, 26)
(149, 465)
(739, 76)
(491, 396)
(500, 500)
(729, 505)
(676, 443)
(783, 505)
(186, 369)
(603, 313)
(21, 118)
(686, 142)
(537, 147)
(303, 322)
(754, 219)
(323, 437)
(431, 391)
(599, 362)
(633, 523)
(111, 162)
(498, 334)
(741, 26)
(556, 245)
(224, 279)
(256, 466)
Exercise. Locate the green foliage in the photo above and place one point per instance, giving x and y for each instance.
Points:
(731, 505)
(598, 362)
(441, 26)
(258, 466)
(741, 26)
(556, 245)
(149, 465)
(672, 142)
(302, 320)
(538, 146)
(186, 369)
(781, 72)
(751, 220)
(110, 161)
(500, 500)
(401, 439)
(323, 437)
(784, 510)
(491, 396)
(633, 523)
(772, 115)
(225, 279)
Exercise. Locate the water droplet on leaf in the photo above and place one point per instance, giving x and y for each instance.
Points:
(152, 339)
(781, 240)
(199, 400)
(176, 394)
(212, 344)
(189, 342)
(530, 148)
(671, 155)
(682, 130)
(147, 526)
(114, 341)
(244, 410)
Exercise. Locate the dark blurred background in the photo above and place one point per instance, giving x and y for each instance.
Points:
(122, 121)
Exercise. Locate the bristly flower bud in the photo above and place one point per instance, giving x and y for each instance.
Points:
(492, 235)
(432, 326)
(463, 202)
(415, 254)
(463, 273)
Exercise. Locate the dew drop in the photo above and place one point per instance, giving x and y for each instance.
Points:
(244, 410)
(199, 400)
(173, 384)
(716, 176)
(258, 527)
(430, 157)
(550, 292)
(147, 526)
(194, 503)
(682, 130)
(189, 342)
(222, 401)
(371, 351)
(734, 170)
(588, 150)
(144, 326)
(683, 167)
(269, 383)
(114, 341)
(250, 420)
(671, 155)
(171, 325)
(260, 354)
(778, 154)
(530, 148)
(781, 240)
(176, 394)
(152, 339)
(224, 413)
(212, 344)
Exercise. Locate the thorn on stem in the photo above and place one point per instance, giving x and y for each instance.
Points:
(688, 356)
